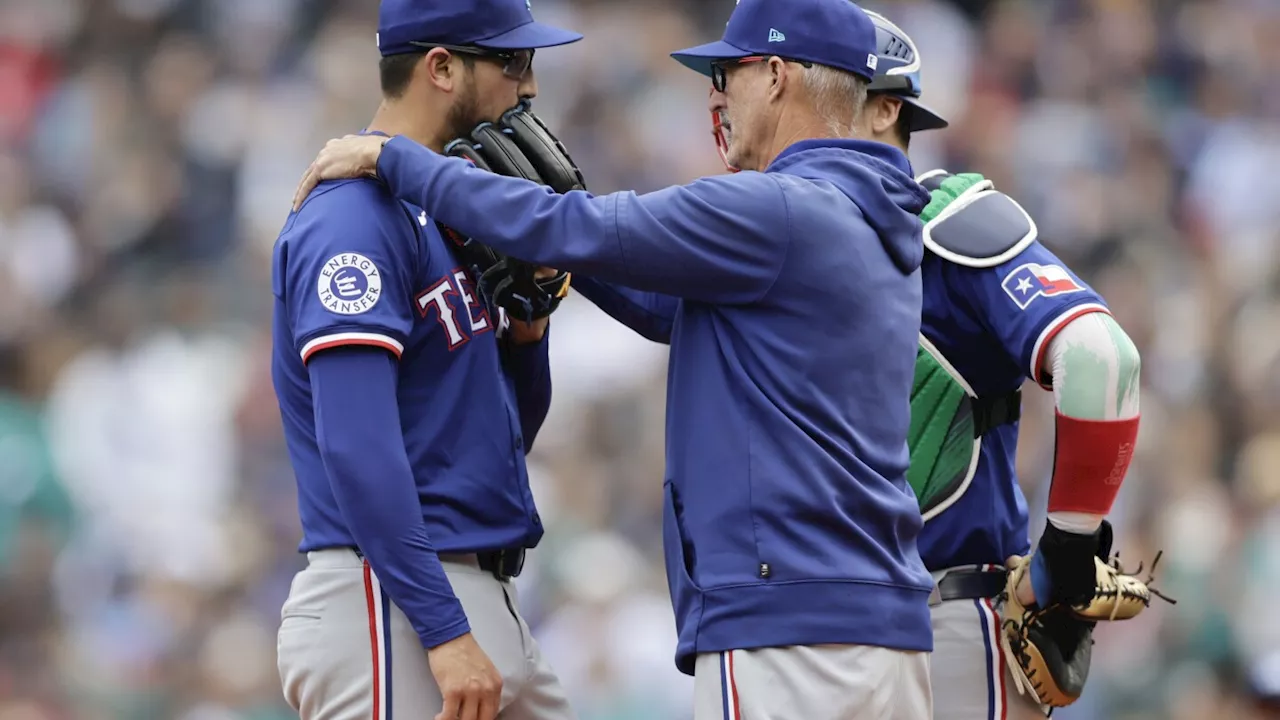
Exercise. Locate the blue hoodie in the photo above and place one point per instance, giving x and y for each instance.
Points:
(788, 519)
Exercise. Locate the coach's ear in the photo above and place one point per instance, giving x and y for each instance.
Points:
(782, 77)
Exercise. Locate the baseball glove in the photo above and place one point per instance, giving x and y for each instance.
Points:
(518, 145)
(1049, 646)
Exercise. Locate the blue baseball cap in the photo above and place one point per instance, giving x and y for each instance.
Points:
(834, 33)
(496, 24)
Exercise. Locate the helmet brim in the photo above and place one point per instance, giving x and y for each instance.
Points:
(923, 117)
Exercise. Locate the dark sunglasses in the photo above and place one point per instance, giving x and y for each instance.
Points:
(515, 63)
(718, 67)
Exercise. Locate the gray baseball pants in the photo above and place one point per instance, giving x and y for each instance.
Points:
(814, 682)
(346, 652)
(971, 679)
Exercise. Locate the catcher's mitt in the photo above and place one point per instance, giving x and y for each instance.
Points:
(1049, 646)
(518, 145)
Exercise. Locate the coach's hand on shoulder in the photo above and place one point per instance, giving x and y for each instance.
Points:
(349, 157)
(468, 680)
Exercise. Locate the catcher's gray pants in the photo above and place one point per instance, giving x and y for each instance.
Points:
(816, 682)
(971, 680)
(346, 652)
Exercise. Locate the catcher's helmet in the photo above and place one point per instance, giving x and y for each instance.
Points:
(898, 72)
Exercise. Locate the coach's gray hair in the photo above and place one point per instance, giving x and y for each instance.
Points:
(838, 97)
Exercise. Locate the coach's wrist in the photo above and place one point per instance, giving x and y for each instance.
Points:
(375, 160)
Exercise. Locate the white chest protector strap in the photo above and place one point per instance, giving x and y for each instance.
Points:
(982, 227)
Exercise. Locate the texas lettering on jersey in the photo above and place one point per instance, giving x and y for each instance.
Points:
(437, 300)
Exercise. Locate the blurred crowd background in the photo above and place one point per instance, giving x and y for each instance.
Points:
(148, 152)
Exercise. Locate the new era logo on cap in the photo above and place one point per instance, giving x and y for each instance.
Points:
(775, 36)
(872, 61)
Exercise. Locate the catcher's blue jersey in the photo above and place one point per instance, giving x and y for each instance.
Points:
(355, 266)
(994, 326)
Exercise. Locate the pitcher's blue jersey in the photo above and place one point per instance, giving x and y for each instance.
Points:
(356, 267)
(994, 326)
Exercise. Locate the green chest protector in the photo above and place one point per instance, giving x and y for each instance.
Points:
(948, 421)
(969, 223)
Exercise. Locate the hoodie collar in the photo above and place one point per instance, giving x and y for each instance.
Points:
(887, 154)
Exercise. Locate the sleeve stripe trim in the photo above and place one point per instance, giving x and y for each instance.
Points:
(351, 338)
(1051, 331)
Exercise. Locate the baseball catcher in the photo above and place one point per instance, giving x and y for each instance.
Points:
(999, 308)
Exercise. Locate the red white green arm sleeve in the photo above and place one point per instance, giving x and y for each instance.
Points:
(1095, 370)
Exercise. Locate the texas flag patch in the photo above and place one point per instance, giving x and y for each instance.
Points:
(1030, 281)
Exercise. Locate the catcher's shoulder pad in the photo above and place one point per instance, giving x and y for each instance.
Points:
(971, 223)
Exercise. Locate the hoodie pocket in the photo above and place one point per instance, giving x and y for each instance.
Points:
(686, 596)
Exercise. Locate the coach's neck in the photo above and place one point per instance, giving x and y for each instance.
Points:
(796, 122)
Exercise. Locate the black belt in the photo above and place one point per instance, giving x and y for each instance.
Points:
(502, 564)
(969, 584)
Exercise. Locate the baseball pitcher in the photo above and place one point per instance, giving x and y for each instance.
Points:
(408, 403)
(999, 307)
